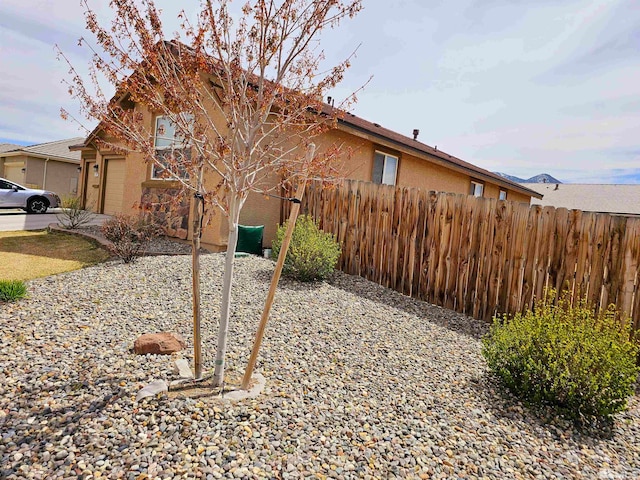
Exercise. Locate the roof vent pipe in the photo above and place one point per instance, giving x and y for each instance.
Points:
(416, 132)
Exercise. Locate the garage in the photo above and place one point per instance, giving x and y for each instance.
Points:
(114, 186)
(13, 172)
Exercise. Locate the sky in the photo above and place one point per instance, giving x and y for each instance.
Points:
(515, 86)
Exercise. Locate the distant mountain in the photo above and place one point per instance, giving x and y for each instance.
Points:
(511, 178)
(542, 178)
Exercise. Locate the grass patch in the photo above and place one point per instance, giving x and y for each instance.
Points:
(12, 290)
(25, 255)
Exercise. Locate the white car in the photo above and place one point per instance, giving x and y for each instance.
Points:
(13, 195)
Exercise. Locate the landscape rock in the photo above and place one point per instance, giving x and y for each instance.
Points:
(163, 343)
(182, 368)
(152, 389)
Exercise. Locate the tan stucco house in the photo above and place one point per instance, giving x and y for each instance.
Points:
(51, 166)
(112, 183)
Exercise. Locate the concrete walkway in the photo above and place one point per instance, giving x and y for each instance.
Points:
(14, 220)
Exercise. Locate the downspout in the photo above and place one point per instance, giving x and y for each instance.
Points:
(44, 179)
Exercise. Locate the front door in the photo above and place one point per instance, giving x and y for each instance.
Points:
(91, 186)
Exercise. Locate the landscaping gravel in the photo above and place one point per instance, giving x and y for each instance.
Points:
(361, 383)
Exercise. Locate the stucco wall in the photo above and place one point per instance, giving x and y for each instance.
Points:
(356, 162)
(518, 197)
(491, 191)
(35, 172)
(261, 210)
(416, 172)
(61, 177)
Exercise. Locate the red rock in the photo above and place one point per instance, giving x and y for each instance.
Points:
(164, 343)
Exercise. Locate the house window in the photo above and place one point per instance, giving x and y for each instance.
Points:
(502, 195)
(172, 151)
(385, 168)
(477, 189)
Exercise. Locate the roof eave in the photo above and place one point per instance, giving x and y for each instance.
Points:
(27, 153)
(442, 158)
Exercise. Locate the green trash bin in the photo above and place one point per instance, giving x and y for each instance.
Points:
(250, 239)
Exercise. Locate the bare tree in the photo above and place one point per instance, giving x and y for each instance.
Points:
(241, 100)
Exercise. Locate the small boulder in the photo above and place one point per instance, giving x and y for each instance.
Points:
(159, 343)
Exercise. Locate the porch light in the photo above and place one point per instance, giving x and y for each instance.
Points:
(23, 169)
(79, 169)
(95, 170)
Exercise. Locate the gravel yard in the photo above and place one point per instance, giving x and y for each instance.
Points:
(361, 383)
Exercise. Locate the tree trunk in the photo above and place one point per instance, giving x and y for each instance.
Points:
(227, 282)
(195, 271)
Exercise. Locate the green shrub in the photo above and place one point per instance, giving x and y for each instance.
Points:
(312, 254)
(566, 356)
(11, 290)
(130, 235)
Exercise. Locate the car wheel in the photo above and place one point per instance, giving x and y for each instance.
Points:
(37, 205)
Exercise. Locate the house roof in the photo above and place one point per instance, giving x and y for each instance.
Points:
(606, 198)
(357, 123)
(57, 150)
(379, 131)
(354, 122)
(6, 147)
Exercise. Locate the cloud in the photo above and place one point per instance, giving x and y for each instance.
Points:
(510, 85)
(33, 29)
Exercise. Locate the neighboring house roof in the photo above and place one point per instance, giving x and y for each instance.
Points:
(421, 148)
(57, 150)
(606, 198)
(5, 147)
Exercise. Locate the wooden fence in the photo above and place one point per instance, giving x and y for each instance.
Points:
(479, 256)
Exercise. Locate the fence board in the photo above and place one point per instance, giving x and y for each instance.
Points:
(475, 256)
(532, 235)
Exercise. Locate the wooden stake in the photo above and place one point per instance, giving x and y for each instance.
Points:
(195, 259)
(293, 215)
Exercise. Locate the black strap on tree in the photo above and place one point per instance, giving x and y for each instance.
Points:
(288, 199)
(200, 197)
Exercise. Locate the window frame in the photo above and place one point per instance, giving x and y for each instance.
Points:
(156, 171)
(472, 189)
(500, 196)
(385, 155)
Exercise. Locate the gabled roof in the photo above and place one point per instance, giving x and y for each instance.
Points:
(57, 150)
(607, 198)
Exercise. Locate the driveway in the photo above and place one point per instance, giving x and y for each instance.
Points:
(12, 220)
